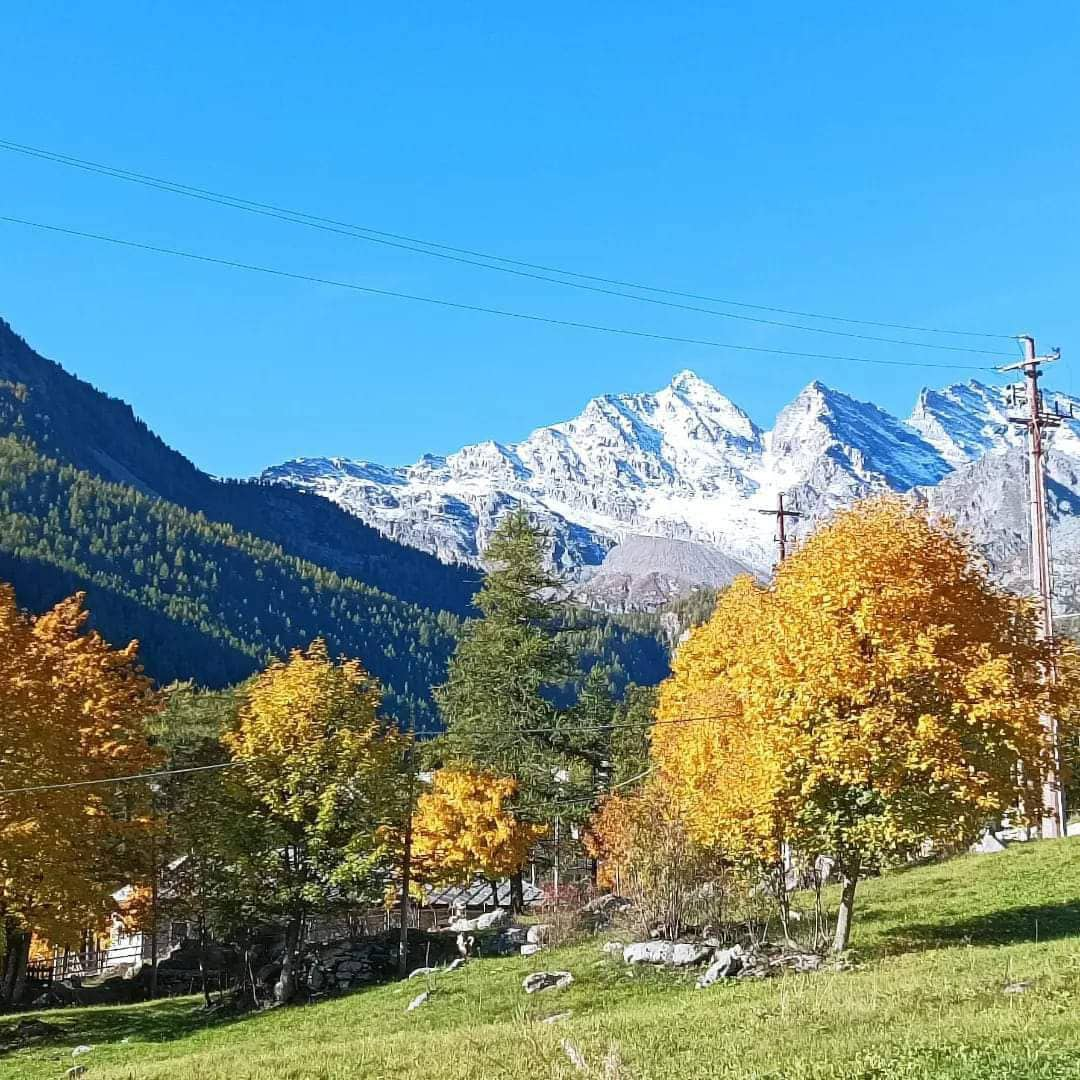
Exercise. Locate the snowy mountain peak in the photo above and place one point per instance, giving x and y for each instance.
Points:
(824, 429)
(963, 421)
(681, 465)
(695, 404)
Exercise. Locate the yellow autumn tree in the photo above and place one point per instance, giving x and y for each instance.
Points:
(881, 695)
(72, 712)
(465, 828)
(327, 772)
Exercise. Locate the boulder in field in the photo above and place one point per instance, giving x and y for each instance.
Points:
(490, 920)
(547, 980)
(668, 953)
(726, 965)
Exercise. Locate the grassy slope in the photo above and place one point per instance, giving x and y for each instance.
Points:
(938, 945)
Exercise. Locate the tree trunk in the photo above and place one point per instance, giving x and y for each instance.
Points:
(783, 898)
(7, 933)
(285, 990)
(20, 971)
(406, 879)
(154, 929)
(847, 906)
(494, 892)
(202, 961)
(249, 951)
(16, 957)
(517, 893)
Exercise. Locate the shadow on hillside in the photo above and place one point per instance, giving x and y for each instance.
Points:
(1045, 922)
(162, 1021)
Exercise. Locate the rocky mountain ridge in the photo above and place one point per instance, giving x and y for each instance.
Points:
(648, 494)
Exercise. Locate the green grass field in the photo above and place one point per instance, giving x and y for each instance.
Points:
(937, 945)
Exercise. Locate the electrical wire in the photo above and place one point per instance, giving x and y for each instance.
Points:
(471, 256)
(118, 779)
(35, 789)
(478, 308)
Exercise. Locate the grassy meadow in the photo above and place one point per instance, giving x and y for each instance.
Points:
(965, 969)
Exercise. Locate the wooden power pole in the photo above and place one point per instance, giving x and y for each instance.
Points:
(406, 870)
(1037, 422)
(781, 516)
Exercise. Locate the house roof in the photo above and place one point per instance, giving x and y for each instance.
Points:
(478, 894)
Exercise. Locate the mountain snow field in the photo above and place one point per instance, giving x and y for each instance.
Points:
(649, 494)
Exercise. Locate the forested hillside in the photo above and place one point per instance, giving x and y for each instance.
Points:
(73, 422)
(215, 577)
(213, 603)
(207, 600)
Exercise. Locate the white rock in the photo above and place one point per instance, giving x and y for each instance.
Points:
(683, 955)
(490, 920)
(673, 954)
(726, 965)
(530, 948)
(613, 948)
(417, 1001)
(987, 844)
(648, 952)
(540, 934)
(83, 1049)
(546, 980)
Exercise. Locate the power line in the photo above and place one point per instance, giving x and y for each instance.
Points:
(248, 761)
(118, 779)
(478, 308)
(343, 230)
(470, 256)
(584, 800)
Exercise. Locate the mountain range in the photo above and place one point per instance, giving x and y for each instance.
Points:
(216, 577)
(650, 494)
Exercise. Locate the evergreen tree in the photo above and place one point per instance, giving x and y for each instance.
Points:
(633, 721)
(499, 700)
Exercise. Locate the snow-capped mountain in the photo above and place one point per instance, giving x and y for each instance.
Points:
(647, 494)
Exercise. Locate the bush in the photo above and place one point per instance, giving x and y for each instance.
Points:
(646, 854)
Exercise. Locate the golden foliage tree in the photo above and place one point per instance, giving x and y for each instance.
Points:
(465, 829)
(882, 694)
(72, 710)
(327, 773)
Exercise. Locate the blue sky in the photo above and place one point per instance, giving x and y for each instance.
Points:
(913, 165)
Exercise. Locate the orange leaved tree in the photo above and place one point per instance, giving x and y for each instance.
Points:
(648, 853)
(72, 711)
(464, 828)
(881, 696)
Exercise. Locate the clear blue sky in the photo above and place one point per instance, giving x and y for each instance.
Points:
(918, 164)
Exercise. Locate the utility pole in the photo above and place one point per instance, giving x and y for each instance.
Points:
(558, 823)
(406, 868)
(1037, 422)
(781, 516)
